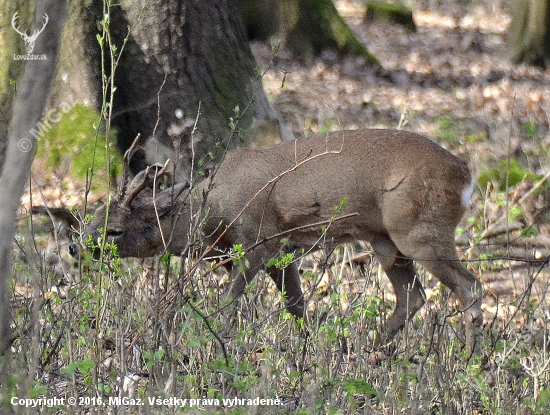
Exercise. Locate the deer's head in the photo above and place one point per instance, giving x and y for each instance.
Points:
(138, 219)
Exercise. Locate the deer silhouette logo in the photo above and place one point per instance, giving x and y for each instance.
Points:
(29, 40)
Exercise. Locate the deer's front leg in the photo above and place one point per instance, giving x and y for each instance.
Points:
(243, 273)
(288, 281)
(240, 276)
(239, 279)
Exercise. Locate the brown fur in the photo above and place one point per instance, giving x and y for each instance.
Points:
(403, 194)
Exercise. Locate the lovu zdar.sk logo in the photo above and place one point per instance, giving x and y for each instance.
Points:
(29, 39)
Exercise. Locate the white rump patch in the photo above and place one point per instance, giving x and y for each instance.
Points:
(467, 194)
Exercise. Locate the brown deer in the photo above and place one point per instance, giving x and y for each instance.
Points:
(403, 193)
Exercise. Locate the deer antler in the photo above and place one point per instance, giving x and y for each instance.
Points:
(29, 40)
(126, 167)
(144, 179)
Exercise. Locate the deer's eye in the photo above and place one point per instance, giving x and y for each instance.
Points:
(114, 233)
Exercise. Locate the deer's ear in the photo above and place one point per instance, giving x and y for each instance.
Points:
(166, 198)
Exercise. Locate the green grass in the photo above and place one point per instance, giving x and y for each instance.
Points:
(506, 174)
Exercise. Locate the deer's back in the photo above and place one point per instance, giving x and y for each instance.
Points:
(382, 175)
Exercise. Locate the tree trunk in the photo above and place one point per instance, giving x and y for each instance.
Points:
(11, 44)
(29, 104)
(183, 56)
(530, 32)
(307, 27)
(391, 12)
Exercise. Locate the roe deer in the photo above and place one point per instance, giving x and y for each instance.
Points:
(403, 193)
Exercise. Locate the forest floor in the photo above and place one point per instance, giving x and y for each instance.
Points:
(450, 80)
(452, 77)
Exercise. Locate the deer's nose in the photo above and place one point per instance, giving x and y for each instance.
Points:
(73, 250)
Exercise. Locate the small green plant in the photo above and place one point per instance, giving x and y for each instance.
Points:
(284, 260)
(82, 366)
(506, 174)
(153, 358)
(476, 137)
(530, 130)
(446, 129)
(456, 132)
(238, 258)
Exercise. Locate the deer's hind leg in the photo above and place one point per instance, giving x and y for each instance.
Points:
(402, 275)
(439, 258)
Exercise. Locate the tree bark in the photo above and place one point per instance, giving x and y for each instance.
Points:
(182, 56)
(10, 69)
(530, 32)
(29, 104)
(391, 12)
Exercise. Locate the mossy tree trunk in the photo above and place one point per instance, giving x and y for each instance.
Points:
(391, 12)
(305, 26)
(529, 40)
